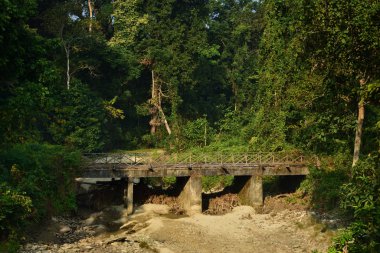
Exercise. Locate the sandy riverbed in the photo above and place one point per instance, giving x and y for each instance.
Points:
(152, 229)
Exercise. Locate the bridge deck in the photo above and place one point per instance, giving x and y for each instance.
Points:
(142, 165)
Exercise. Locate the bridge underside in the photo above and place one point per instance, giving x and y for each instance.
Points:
(248, 178)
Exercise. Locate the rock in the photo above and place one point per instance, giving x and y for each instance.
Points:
(92, 219)
(118, 239)
(139, 226)
(122, 220)
(100, 229)
(66, 246)
(33, 247)
(64, 229)
(129, 225)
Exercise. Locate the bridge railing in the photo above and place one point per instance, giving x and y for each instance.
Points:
(189, 159)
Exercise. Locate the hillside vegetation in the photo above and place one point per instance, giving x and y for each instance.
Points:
(220, 75)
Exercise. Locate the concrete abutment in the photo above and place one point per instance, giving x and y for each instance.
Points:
(249, 189)
(190, 197)
(128, 195)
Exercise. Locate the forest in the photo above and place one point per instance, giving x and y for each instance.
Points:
(80, 76)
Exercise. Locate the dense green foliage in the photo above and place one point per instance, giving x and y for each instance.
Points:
(220, 67)
(16, 208)
(217, 75)
(36, 181)
(210, 183)
(361, 198)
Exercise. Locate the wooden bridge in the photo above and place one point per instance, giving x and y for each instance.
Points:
(247, 168)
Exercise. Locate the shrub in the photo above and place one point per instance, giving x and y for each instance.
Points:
(361, 197)
(168, 182)
(78, 119)
(197, 133)
(211, 182)
(35, 181)
(16, 207)
(323, 185)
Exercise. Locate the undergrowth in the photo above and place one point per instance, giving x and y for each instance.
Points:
(360, 198)
(36, 181)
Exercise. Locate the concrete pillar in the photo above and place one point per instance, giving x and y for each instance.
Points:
(190, 198)
(250, 190)
(128, 195)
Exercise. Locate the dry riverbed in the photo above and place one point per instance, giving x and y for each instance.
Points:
(153, 229)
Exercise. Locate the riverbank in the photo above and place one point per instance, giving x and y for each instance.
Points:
(153, 229)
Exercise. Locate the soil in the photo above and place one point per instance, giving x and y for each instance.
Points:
(152, 228)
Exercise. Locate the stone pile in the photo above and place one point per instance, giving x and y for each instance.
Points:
(105, 231)
(95, 245)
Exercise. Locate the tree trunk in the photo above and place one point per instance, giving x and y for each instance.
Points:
(66, 47)
(156, 111)
(359, 131)
(67, 50)
(235, 92)
(359, 127)
(90, 12)
(165, 121)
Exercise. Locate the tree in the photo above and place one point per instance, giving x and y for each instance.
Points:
(165, 37)
(285, 84)
(314, 56)
(68, 22)
(15, 38)
(350, 48)
(235, 28)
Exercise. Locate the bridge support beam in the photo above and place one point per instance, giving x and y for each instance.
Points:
(128, 195)
(250, 190)
(190, 197)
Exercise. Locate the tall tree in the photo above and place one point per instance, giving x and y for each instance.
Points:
(318, 58)
(350, 48)
(15, 38)
(164, 36)
(235, 27)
